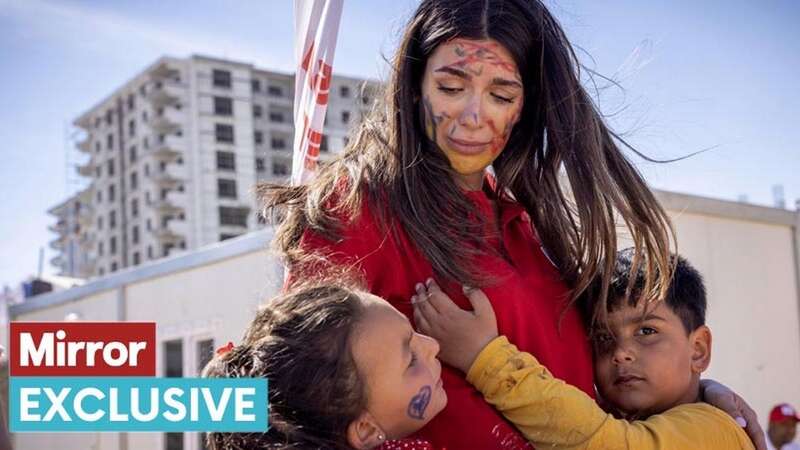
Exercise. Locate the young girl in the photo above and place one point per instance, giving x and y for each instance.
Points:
(345, 370)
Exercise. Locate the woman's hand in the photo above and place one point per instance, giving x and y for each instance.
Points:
(461, 334)
(717, 394)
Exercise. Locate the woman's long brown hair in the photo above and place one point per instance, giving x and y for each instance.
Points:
(562, 163)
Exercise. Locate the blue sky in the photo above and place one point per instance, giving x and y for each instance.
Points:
(719, 75)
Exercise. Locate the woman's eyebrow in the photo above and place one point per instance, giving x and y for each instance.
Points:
(453, 71)
(505, 82)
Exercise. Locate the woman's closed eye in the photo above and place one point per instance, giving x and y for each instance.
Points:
(504, 99)
(449, 89)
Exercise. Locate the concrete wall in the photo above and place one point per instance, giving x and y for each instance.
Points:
(747, 255)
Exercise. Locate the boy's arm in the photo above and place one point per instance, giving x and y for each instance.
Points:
(554, 415)
(549, 412)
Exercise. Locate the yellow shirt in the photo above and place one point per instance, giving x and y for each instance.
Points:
(554, 415)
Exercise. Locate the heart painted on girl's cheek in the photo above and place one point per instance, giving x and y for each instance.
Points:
(419, 403)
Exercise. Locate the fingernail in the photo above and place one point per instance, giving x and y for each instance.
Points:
(413, 299)
(741, 421)
(429, 282)
(466, 289)
(420, 286)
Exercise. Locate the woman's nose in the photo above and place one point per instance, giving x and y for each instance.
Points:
(471, 115)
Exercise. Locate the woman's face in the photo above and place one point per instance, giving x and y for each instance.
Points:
(402, 373)
(472, 96)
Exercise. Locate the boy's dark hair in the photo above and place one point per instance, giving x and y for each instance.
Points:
(300, 341)
(686, 296)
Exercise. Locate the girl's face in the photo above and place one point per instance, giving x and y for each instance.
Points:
(402, 373)
(472, 96)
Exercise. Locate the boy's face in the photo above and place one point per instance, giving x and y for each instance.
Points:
(649, 365)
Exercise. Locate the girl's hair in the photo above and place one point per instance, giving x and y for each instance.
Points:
(300, 342)
(393, 166)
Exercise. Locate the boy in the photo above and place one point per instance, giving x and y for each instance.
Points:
(647, 367)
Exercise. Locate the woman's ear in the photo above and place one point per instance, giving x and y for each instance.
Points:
(700, 340)
(364, 433)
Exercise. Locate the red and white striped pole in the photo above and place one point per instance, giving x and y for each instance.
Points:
(315, 32)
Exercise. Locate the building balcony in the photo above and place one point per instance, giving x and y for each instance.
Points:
(166, 123)
(169, 150)
(163, 94)
(86, 170)
(170, 177)
(163, 72)
(59, 227)
(58, 244)
(167, 206)
(168, 234)
(85, 145)
(57, 261)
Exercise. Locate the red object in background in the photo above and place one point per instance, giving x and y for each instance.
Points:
(116, 345)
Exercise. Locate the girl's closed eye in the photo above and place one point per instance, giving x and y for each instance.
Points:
(413, 360)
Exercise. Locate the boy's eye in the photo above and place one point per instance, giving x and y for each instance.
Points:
(603, 342)
(646, 331)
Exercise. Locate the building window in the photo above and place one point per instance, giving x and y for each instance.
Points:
(344, 91)
(149, 250)
(173, 359)
(233, 216)
(276, 117)
(223, 106)
(258, 137)
(260, 166)
(275, 91)
(146, 143)
(278, 143)
(131, 127)
(133, 153)
(97, 171)
(113, 267)
(135, 207)
(144, 116)
(100, 249)
(345, 117)
(97, 122)
(279, 168)
(111, 193)
(135, 234)
(226, 160)
(149, 225)
(100, 223)
(112, 219)
(221, 78)
(226, 188)
(346, 140)
(112, 245)
(136, 259)
(131, 103)
(224, 133)
(99, 196)
(258, 111)
(101, 271)
(97, 147)
(109, 117)
(134, 180)
(111, 167)
(110, 141)
(147, 170)
(256, 85)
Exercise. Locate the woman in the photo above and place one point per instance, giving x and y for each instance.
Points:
(479, 83)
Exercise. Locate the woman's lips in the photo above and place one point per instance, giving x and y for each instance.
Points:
(467, 147)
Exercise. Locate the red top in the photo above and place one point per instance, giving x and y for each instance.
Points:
(528, 303)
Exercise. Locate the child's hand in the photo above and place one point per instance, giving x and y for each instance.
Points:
(461, 334)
